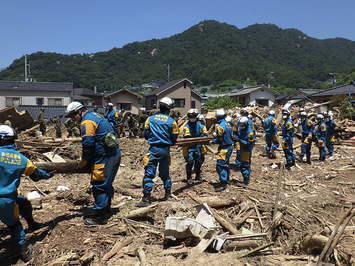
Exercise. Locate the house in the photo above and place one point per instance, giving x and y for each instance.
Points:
(300, 95)
(17, 93)
(32, 96)
(256, 95)
(339, 92)
(88, 97)
(178, 90)
(125, 99)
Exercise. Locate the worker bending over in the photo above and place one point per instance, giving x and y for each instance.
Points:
(112, 115)
(101, 154)
(12, 166)
(194, 154)
(161, 132)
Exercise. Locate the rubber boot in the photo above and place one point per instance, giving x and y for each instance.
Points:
(189, 178)
(25, 208)
(146, 201)
(221, 187)
(308, 159)
(98, 218)
(198, 177)
(26, 252)
(167, 194)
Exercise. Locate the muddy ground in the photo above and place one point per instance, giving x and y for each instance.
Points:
(310, 202)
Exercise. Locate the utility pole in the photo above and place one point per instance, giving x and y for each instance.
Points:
(26, 78)
(168, 72)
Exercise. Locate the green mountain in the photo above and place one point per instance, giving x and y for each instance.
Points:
(207, 53)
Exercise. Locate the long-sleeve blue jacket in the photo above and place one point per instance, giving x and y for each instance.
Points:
(13, 164)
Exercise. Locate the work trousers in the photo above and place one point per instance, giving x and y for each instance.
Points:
(222, 165)
(287, 146)
(272, 142)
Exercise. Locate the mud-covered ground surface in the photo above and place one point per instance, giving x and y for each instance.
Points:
(310, 202)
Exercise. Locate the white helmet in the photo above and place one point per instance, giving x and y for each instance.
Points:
(220, 113)
(250, 116)
(228, 118)
(7, 133)
(320, 117)
(303, 113)
(166, 102)
(201, 118)
(110, 104)
(192, 113)
(243, 122)
(271, 112)
(73, 107)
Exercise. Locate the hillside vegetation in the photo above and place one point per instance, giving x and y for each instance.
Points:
(207, 53)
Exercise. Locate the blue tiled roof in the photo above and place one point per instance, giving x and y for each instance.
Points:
(49, 111)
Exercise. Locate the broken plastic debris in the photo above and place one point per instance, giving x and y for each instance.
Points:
(62, 188)
(33, 195)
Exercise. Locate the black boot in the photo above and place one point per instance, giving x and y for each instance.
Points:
(98, 218)
(221, 187)
(272, 155)
(198, 177)
(25, 208)
(189, 178)
(146, 201)
(25, 252)
(308, 159)
(167, 194)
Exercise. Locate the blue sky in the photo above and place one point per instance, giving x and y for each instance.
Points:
(85, 26)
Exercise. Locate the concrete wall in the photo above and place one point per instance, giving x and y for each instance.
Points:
(29, 97)
(261, 94)
(126, 97)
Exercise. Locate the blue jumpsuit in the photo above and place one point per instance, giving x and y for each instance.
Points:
(161, 131)
(112, 116)
(287, 141)
(12, 165)
(235, 131)
(223, 137)
(194, 155)
(271, 137)
(103, 160)
(330, 139)
(246, 141)
(321, 135)
(307, 133)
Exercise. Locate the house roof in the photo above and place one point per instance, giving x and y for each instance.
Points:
(49, 111)
(41, 86)
(166, 86)
(84, 91)
(124, 90)
(348, 88)
(245, 91)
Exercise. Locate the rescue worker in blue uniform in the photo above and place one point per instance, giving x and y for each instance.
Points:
(161, 132)
(245, 137)
(223, 136)
(101, 154)
(321, 136)
(12, 166)
(330, 139)
(307, 129)
(112, 115)
(288, 132)
(194, 155)
(271, 135)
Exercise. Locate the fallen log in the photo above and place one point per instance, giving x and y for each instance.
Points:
(193, 141)
(255, 250)
(29, 130)
(141, 256)
(141, 212)
(222, 221)
(237, 245)
(117, 248)
(62, 168)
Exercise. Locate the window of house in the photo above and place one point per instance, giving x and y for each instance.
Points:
(13, 101)
(55, 101)
(262, 102)
(39, 101)
(179, 102)
(125, 106)
(193, 104)
(185, 84)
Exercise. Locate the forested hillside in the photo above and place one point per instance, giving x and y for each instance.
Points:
(207, 53)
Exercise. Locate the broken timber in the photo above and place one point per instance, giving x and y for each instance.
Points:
(62, 168)
(193, 141)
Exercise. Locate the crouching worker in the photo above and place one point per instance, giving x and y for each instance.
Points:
(194, 155)
(223, 137)
(245, 137)
(161, 131)
(101, 154)
(12, 165)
